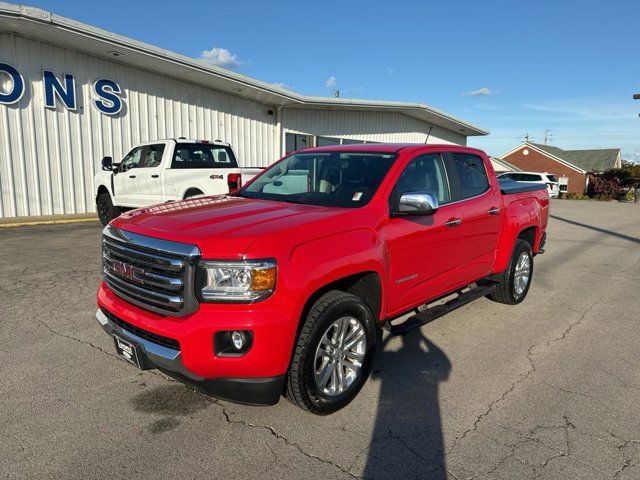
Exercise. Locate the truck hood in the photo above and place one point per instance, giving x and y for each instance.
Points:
(223, 226)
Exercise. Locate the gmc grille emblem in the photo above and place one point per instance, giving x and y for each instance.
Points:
(125, 270)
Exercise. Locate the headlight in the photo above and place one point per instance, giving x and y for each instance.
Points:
(241, 281)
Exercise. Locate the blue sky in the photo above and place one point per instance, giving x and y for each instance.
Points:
(509, 66)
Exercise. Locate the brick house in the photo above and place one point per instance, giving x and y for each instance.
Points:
(571, 167)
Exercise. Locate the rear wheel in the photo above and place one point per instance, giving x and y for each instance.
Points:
(333, 356)
(106, 210)
(514, 282)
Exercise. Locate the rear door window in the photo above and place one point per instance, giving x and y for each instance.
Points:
(471, 174)
(196, 155)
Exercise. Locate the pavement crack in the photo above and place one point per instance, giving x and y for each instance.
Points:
(75, 339)
(522, 376)
(279, 436)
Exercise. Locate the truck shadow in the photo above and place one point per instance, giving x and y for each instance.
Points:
(407, 439)
(597, 229)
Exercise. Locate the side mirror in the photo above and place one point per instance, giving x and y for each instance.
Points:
(417, 203)
(107, 164)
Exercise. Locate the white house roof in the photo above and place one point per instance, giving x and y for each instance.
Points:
(51, 28)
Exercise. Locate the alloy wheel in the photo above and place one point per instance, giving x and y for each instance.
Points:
(339, 356)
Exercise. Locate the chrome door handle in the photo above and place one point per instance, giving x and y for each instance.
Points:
(155, 176)
(454, 222)
(132, 176)
(494, 211)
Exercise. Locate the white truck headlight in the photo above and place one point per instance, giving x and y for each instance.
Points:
(236, 281)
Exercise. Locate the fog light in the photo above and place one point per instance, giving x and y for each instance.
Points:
(238, 339)
(232, 343)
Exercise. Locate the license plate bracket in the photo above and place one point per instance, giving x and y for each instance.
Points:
(127, 350)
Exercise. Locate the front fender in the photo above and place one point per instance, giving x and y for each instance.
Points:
(103, 179)
(316, 263)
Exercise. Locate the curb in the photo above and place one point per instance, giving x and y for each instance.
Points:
(47, 222)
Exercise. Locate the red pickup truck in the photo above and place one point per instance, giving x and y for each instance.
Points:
(283, 286)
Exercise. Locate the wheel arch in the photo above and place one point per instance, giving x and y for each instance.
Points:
(192, 191)
(529, 235)
(365, 285)
(103, 189)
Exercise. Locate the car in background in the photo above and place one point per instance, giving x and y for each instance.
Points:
(534, 177)
(165, 171)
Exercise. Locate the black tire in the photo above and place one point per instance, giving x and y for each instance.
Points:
(302, 389)
(106, 210)
(192, 192)
(506, 292)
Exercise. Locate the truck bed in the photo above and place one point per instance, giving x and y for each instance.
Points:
(508, 187)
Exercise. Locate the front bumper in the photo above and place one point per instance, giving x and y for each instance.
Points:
(252, 391)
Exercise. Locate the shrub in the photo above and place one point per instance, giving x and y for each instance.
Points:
(606, 187)
(576, 196)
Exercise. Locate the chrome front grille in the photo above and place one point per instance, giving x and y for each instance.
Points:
(154, 274)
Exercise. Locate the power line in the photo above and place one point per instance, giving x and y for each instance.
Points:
(570, 136)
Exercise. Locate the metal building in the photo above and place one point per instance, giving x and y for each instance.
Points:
(71, 94)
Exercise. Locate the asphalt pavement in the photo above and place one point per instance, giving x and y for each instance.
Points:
(547, 389)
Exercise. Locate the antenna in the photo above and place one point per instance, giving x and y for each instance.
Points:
(547, 136)
(426, 140)
(526, 137)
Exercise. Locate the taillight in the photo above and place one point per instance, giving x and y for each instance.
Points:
(234, 182)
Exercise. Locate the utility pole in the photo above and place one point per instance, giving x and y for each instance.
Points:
(547, 136)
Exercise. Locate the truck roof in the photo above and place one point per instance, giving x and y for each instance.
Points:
(203, 141)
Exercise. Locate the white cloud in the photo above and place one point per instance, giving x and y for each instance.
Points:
(331, 82)
(481, 92)
(220, 57)
(284, 85)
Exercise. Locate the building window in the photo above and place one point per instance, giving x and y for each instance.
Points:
(295, 141)
(327, 141)
(563, 183)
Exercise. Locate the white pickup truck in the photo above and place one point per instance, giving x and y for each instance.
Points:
(165, 171)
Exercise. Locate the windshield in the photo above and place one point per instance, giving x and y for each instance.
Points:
(552, 178)
(330, 179)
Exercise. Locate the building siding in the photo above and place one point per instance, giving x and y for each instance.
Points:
(48, 157)
(538, 162)
(369, 126)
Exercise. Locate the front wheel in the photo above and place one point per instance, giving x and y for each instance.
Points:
(333, 356)
(106, 210)
(514, 282)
